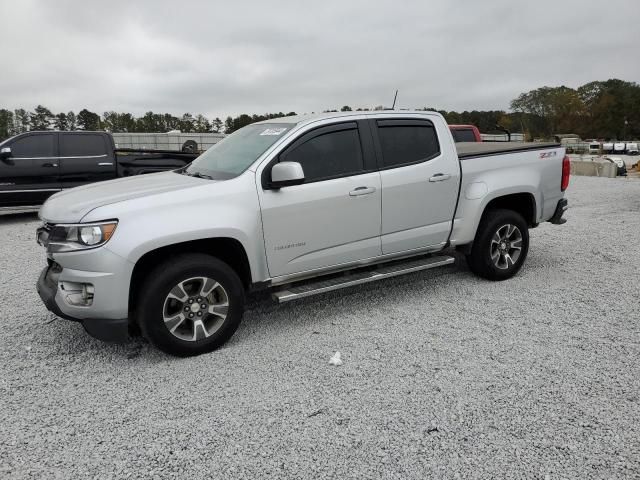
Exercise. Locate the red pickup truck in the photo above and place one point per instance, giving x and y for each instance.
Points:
(465, 133)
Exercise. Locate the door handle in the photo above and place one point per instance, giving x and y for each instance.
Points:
(105, 164)
(49, 165)
(440, 177)
(361, 191)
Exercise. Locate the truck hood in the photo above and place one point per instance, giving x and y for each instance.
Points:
(72, 205)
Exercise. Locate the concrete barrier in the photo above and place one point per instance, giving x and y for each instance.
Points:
(594, 169)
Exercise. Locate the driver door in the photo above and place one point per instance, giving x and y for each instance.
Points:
(31, 173)
(334, 217)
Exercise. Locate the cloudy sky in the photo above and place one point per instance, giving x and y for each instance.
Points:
(226, 58)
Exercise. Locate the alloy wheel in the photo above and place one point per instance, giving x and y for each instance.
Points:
(195, 308)
(506, 246)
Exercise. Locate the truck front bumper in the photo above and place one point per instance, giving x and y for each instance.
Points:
(562, 207)
(49, 289)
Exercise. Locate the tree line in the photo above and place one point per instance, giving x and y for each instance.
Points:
(41, 118)
(13, 122)
(607, 110)
(602, 109)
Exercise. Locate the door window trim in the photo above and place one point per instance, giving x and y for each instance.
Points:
(375, 124)
(34, 134)
(366, 149)
(61, 135)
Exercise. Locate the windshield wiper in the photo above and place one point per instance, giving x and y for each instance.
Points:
(199, 175)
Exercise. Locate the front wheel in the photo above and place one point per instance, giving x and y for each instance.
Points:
(500, 246)
(191, 304)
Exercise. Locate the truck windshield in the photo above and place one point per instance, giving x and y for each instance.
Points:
(234, 154)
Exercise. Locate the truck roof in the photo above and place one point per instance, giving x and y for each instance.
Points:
(296, 119)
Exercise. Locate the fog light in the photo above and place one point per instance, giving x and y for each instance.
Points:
(77, 294)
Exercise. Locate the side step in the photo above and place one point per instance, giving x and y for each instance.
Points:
(357, 278)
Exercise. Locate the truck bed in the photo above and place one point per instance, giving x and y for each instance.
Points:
(476, 149)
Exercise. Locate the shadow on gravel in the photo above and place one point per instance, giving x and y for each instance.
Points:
(13, 218)
(261, 310)
(358, 300)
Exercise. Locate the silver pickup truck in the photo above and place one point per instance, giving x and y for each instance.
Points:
(297, 205)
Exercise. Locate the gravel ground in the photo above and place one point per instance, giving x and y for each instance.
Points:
(444, 376)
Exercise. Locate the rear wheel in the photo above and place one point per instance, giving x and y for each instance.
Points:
(501, 245)
(190, 305)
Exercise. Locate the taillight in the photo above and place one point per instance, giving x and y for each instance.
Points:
(566, 171)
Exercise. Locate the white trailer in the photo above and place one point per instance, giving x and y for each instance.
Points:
(502, 137)
(173, 140)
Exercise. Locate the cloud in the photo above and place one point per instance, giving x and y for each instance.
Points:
(253, 57)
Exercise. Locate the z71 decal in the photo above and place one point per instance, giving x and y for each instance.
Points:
(548, 154)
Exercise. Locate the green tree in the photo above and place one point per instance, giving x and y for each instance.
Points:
(110, 121)
(216, 125)
(41, 118)
(228, 125)
(150, 122)
(561, 107)
(71, 121)
(346, 108)
(201, 124)
(6, 124)
(118, 122)
(60, 122)
(20, 121)
(612, 109)
(187, 123)
(169, 122)
(87, 120)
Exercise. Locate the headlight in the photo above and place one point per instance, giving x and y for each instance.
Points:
(81, 236)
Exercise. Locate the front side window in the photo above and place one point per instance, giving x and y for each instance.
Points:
(328, 155)
(81, 145)
(33, 146)
(405, 142)
(234, 154)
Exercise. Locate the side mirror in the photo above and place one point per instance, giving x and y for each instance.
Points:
(285, 174)
(5, 153)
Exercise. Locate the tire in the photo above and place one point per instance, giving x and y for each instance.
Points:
(173, 319)
(488, 257)
(190, 146)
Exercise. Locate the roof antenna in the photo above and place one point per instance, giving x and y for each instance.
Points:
(394, 100)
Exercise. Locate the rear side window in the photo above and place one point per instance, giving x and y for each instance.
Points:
(33, 146)
(404, 142)
(463, 135)
(82, 145)
(328, 155)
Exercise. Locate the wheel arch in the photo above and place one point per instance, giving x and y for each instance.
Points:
(523, 203)
(226, 249)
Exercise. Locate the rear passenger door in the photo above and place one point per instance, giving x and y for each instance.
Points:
(419, 185)
(85, 158)
(334, 217)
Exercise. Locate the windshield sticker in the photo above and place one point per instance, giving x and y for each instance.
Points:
(273, 131)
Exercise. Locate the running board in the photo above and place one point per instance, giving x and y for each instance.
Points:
(358, 278)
